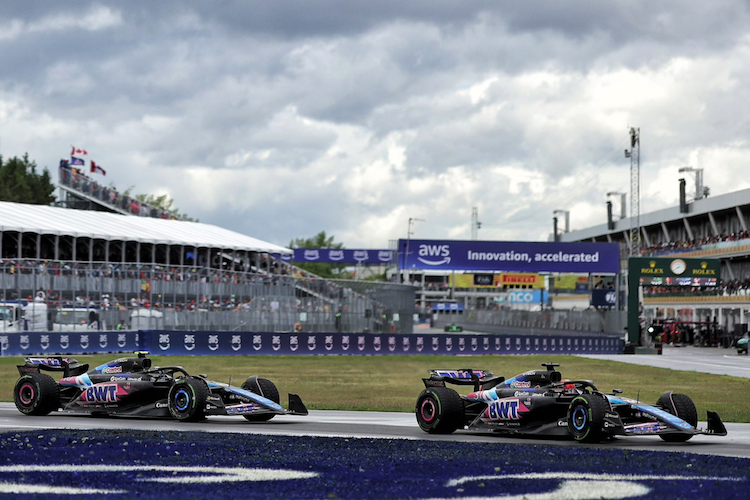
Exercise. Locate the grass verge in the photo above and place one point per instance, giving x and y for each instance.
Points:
(392, 383)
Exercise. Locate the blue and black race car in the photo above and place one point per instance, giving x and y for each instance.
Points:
(540, 402)
(131, 386)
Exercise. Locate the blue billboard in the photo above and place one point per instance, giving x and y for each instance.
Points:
(521, 256)
(343, 256)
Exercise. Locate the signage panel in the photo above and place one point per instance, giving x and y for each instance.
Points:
(522, 256)
(342, 256)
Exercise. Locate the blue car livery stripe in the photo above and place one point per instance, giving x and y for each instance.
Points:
(255, 397)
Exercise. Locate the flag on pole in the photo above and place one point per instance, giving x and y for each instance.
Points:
(78, 151)
(96, 169)
(76, 161)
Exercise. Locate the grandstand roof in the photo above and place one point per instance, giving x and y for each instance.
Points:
(698, 208)
(43, 219)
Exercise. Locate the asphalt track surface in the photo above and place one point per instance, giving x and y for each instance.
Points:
(403, 425)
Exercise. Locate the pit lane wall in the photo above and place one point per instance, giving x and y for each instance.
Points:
(246, 343)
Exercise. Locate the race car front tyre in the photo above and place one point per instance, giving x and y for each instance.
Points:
(36, 394)
(586, 418)
(440, 410)
(262, 387)
(187, 399)
(681, 406)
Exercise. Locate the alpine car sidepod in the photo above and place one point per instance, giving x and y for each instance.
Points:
(131, 386)
(540, 402)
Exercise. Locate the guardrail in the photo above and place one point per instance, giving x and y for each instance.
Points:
(162, 342)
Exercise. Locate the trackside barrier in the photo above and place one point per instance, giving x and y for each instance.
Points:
(15, 344)
(170, 342)
(244, 343)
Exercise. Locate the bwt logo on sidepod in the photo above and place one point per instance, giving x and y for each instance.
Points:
(311, 254)
(336, 254)
(434, 255)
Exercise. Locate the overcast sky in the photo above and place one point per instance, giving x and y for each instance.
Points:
(282, 119)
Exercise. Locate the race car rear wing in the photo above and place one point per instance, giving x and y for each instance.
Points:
(68, 366)
(479, 379)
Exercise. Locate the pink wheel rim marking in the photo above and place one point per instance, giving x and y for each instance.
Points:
(431, 408)
(26, 389)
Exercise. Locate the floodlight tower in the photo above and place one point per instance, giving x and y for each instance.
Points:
(634, 153)
(475, 224)
(701, 191)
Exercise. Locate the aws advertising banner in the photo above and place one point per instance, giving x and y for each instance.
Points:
(519, 256)
(342, 256)
(17, 344)
(201, 343)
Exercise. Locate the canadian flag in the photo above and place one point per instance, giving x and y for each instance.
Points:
(96, 169)
(77, 151)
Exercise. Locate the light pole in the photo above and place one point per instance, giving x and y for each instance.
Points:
(567, 222)
(408, 238)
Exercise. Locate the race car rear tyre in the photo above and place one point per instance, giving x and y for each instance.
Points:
(36, 394)
(586, 418)
(440, 410)
(262, 387)
(681, 406)
(187, 399)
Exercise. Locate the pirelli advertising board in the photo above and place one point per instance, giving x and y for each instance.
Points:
(499, 280)
(666, 272)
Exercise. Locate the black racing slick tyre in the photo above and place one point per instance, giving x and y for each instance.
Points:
(262, 387)
(187, 400)
(36, 394)
(586, 418)
(440, 410)
(681, 406)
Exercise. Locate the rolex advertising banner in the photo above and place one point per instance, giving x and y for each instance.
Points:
(519, 256)
(664, 271)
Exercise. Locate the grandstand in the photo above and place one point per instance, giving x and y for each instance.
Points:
(191, 276)
(715, 227)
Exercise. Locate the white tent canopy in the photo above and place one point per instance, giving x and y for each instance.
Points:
(41, 219)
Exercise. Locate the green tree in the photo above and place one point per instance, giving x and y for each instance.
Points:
(320, 240)
(20, 182)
